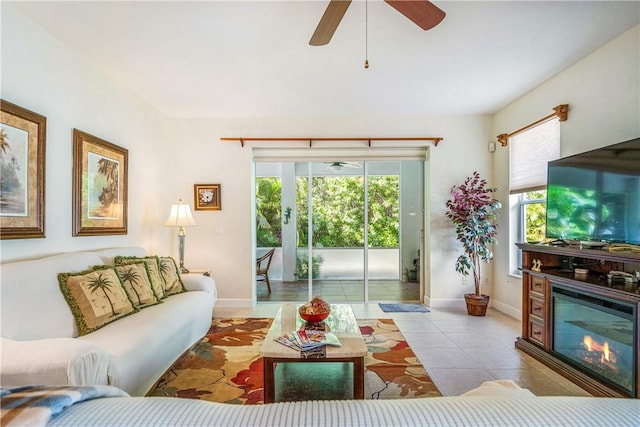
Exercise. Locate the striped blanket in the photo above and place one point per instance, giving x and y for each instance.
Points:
(36, 405)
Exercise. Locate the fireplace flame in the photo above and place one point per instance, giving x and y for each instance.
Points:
(592, 345)
(605, 351)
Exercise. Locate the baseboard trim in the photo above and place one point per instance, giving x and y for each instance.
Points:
(508, 310)
(445, 303)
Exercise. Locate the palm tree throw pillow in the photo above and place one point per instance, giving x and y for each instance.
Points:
(153, 268)
(169, 272)
(136, 282)
(96, 297)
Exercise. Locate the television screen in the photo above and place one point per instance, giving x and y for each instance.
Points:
(595, 196)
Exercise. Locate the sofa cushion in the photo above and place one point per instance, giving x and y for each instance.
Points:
(96, 297)
(169, 272)
(153, 268)
(136, 282)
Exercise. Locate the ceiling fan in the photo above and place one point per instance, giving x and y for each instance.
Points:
(423, 13)
(337, 166)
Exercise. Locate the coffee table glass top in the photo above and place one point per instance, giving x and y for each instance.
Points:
(341, 321)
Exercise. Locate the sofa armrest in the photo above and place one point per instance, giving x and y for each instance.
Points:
(199, 282)
(54, 361)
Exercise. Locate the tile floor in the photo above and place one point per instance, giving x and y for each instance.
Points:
(458, 351)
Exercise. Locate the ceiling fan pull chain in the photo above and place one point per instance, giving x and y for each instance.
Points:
(366, 34)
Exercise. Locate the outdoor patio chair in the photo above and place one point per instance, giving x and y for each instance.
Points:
(262, 267)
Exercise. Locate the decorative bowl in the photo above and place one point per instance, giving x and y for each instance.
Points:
(314, 311)
(314, 318)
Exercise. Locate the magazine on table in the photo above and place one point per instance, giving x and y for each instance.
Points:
(307, 340)
(289, 341)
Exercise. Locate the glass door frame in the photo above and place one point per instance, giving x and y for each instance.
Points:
(417, 153)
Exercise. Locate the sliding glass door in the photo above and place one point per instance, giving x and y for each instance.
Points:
(348, 231)
(331, 210)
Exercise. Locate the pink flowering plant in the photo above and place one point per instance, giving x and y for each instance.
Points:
(474, 212)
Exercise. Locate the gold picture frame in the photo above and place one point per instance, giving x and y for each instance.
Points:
(23, 136)
(100, 171)
(207, 197)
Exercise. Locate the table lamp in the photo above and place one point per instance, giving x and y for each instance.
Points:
(180, 216)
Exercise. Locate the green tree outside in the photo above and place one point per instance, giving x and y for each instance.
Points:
(268, 207)
(535, 216)
(338, 211)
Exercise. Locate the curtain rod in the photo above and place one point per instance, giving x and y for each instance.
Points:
(561, 111)
(435, 140)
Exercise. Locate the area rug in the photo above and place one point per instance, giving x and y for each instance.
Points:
(225, 366)
(403, 308)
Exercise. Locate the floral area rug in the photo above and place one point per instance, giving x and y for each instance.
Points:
(225, 366)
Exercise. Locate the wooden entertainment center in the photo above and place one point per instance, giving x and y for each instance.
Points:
(546, 268)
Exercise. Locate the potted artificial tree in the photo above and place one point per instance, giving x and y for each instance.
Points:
(474, 212)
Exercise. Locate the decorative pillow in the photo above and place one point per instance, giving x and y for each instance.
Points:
(135, 279)
(153, 268)
(96, 297)
(169, 272)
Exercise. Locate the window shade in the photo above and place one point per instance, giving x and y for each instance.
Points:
(529, 152)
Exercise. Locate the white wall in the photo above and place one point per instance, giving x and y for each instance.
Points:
(222, 241)
(602, 91)
(40, 74)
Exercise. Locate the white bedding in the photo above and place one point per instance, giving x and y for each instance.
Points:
(442, 411)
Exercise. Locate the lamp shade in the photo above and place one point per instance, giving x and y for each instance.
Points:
(180, 216)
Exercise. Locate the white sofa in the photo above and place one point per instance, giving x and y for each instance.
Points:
(40, 343)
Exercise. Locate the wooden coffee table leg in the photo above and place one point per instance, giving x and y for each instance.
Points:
(268, 386)
(358, 378)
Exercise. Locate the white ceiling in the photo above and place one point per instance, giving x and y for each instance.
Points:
(252, 58)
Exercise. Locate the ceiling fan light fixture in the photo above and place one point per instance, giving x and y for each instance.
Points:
(335, 167)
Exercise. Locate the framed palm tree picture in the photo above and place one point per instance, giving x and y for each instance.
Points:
(99, 186)
(22, 159)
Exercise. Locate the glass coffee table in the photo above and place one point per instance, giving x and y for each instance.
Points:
(276, 356)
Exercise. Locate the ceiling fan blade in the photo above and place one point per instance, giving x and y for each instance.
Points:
(354, 165)
(424, 13)
(329, 22)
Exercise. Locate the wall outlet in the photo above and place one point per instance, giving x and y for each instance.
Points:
(464, 280)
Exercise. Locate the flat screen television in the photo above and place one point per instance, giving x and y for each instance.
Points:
(595, 196)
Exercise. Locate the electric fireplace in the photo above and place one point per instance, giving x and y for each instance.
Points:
(597, 335)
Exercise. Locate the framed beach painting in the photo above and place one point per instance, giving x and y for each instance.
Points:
(99, 186)
(22, 160)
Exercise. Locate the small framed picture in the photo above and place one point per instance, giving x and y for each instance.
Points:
(207, 197)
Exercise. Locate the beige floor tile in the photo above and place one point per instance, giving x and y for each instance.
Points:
(444, 357)
(497, 358)
(538, 382)
(429, 341)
